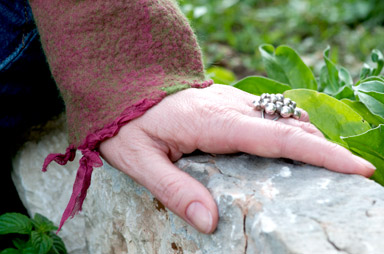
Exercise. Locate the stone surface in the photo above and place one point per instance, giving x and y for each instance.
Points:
(266, 206)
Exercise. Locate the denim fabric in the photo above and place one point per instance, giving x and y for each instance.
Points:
(17, 30)
(28, 94)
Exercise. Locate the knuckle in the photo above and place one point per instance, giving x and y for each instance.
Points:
(331, 148)
(285, 137)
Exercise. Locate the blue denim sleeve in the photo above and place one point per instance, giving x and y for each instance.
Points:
(28, 94)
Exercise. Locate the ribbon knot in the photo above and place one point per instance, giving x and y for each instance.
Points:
(90, 159)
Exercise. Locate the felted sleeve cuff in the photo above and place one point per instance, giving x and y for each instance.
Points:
(112, 60)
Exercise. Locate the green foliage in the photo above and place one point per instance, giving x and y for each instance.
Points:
(331, 116)
(371, 93)
(221, 75)
(41, 238)
(370, 146)
(266, 85)
(346, 112)
(15, 223)
(285, 65)
(335, 80)
(353, 27)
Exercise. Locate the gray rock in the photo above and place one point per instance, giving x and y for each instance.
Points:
(266, 206)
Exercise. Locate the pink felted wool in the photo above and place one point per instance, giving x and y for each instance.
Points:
(112, 60)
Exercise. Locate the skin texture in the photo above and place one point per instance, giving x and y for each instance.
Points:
(218, 119)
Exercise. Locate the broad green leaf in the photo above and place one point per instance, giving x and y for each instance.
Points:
(285, 65)
(15, 223)
(43, 224)
(371, 93)
(331, 116)
(370, 146)
(11, 251)
(258, 85)
(371, 86)
(58, 246)
(41, 242)
(221, 75)
(375, 78)
(362, 110)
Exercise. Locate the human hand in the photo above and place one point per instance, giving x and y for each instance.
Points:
(217, 119)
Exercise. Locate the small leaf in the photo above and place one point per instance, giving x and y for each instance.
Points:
(11, 251)
(221, 75)
(15, 223)
(331, 116)
(20, 244)
(43, 224)
(370, 146)
(362, 110)
(344, 92)
(345, 77)
(367, 70)
(29, 250)
(371, 93)
(41, 242)
(335, 81)
(58, 246)
(332, 83)
(378, 58)
(257, 85)
(285, 65)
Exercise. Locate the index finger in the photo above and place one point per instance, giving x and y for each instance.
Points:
(274, 139)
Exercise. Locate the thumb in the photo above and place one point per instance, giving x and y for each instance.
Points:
(177, 190)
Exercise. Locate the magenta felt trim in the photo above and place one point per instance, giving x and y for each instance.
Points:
(91, 156)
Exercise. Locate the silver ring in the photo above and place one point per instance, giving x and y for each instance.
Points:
(276, 104)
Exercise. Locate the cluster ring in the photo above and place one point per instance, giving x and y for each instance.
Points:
(277, 104)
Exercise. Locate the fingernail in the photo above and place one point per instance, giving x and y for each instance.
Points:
(200, 217)
(365, 163)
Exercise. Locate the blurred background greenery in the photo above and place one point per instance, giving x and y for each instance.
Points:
(230, 31)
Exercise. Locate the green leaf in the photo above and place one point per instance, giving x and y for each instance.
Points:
(221, 75)
(20, 244)
(375, 78)
(257, 85)
(15, 223)
(41, 242)
(362, 110)
(335, 81)
(43, 224)
(378, 58)
(331, 116)
(286, 66)
(367, 70)
(29, 250)
(345, 92)
(10, 251)
(370, 146)
(58, 246)
(331, 83)
(371, 93)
